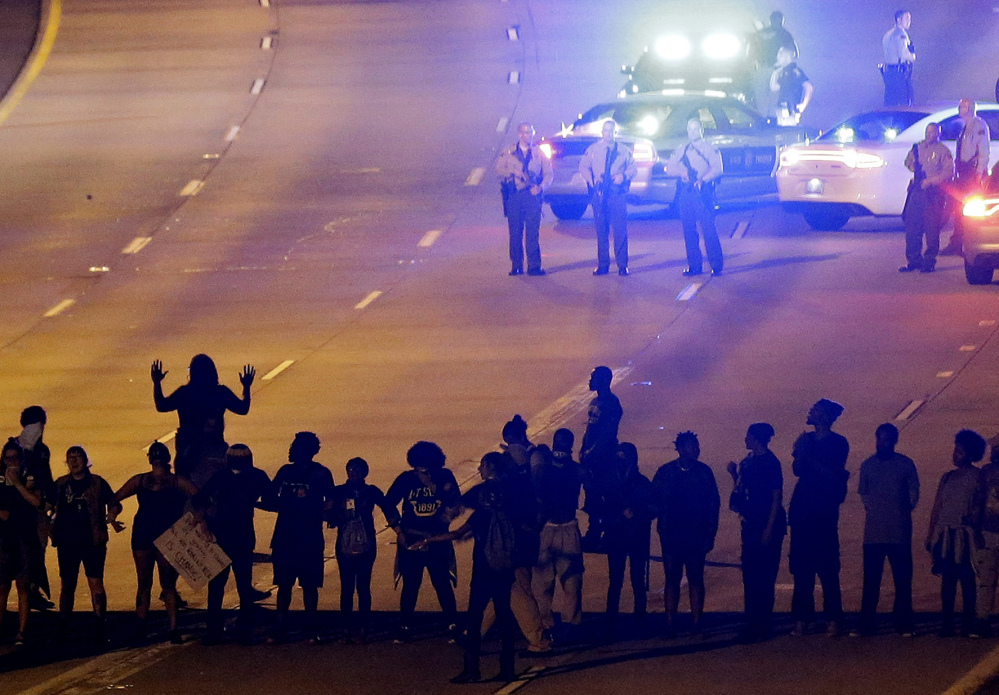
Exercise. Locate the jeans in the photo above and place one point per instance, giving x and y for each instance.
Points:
(355, 575)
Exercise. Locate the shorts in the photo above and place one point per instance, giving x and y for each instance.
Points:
(304, 567)
(15, 561)
(92, 557)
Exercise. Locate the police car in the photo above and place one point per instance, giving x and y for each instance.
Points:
(655, 125)
(981, 235)
(858, 167)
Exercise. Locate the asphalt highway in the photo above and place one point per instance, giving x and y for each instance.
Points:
(299, 186)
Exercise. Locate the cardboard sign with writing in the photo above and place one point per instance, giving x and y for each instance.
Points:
(192, 552)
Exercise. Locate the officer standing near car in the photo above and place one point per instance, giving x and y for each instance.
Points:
(926, 204)
(794, 89)
(698, 165)
(899, 57)
(766, 42)
(608, 167)
(524, 173)
(971, 167)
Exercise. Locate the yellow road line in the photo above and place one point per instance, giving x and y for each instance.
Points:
(47, 28)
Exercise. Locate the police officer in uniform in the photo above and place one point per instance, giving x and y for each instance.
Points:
(524, 173)
(794, 89)
(926, 204)
(608, 167)
(970, 167)
(896, 71)
(698, 164)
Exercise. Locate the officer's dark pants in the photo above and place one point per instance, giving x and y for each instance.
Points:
(815, 551)
(760, 564)
(633, 548)
(242, 567)
(694, 209)
(898, 85)
(924, 211)
(899, 555)
(965, 183)
(611, 215)
(489, 585)
(523, 212)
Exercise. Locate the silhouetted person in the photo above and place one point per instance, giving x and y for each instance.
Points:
(954, 524)
(758, 499)
(629, 533)
(493, 559)
(353, 516)
(768, 40)
(429, 496)
(302, 494)
(820, 465)
(559, 481)
(598, 451)
(688, 504)
(18, 535)
(212, 449)
(203, 397)
(83, 504)
(37, 470)
(231, 495)
(987, 553)
(889, 488)
(162, 496)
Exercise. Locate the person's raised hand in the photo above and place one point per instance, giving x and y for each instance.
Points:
(157, 373)
(247, 375)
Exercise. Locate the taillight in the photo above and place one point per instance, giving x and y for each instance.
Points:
(977, 206)
(645, 152)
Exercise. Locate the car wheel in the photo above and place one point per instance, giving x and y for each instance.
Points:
(569, 211)
(825, 218)
(978, 274)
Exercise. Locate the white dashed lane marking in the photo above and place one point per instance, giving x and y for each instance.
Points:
(372, 296)
(266, 42)
(136, 244)
(192, 187)
(475, 177)
(502, 125)
(740, 229)
(968, 348)
(258, 86)
(909, 410)
(231, 135)
(429, 238)
(277, 370)
(513, 33)
(59, 308)
(513, 77)
(945, 375)
(688, 292)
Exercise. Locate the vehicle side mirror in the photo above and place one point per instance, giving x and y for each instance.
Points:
(627, 70)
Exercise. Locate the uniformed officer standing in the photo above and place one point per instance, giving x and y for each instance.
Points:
(970, 167)
(794, 89)
(524, 173)
(766, 42)
(607, 167)
(899, 57)
(698, 164)
(926, 204)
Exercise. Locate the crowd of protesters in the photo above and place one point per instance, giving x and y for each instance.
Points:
(522, 517)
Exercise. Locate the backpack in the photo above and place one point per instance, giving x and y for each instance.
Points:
(354, 538)
(499, 542)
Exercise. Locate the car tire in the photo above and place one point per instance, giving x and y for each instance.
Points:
(978, 274)
(569, 210)
(826, 218)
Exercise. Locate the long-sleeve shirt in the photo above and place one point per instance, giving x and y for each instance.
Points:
(820, 465)
(688, 505)
(936, 161)
(525, 169)
(897, 46)
(889, 489)
(973, 145)
(594, 162)
(704, 158)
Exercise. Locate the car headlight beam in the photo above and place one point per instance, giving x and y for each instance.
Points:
(673, 47)
(721, 46)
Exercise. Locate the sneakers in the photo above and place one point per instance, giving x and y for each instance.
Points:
(404, 635)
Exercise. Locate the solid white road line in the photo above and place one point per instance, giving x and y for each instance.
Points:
(688, 292)
(513, 77)
(266, 42)
(59, 308)
(258, 86)
(192, 187)
(983, 672)
(429, 238)
(968, 348)
(740, 229)
(136, 244)
(909, 410)
(372, 296)
(231, 135)
(475, 177)
(513, 33)
(277, 370)
(502, 125)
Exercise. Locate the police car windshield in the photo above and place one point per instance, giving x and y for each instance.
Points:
(643, 120)
(877, 126)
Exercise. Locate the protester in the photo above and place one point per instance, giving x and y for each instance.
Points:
(83, 504)
(954, 524)
(597, 453)
(758, 499)
(353, 516)
(986, 556)
(430, 498)
(688, 504)
(19, 501)
(162, 496)
(302, 495)
(229, 498)
(37, 470)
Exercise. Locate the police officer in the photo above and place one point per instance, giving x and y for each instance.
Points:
(896, 71)
(698, 164)
(608, 167)
(524, 173)
(794, 89)
(766, 42)
(970, 167)
(925, 206)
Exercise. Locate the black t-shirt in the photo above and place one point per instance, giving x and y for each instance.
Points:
(74, 513)
(232, 496)
(752, 498)
(558, 491)
(820, 465)
(424, 506)
(600, 438)
(299, 495)
(792, 86)
(23, 519)
(354, 500)
(195, 406)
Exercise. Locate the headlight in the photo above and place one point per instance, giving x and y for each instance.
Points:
(649, 125)
(977, 206)
(546, 149)
(721, 46)
(845, 135)
(673, 47)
